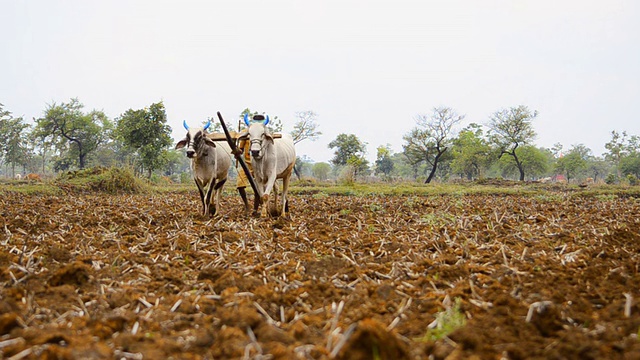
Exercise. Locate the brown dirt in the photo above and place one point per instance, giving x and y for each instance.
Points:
(360, 277)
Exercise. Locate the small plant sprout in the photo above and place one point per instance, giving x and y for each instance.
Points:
(446, 322)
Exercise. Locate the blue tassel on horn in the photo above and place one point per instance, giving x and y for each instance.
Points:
(207, 126)
(267, 121)
(184, 123)
(246, 119)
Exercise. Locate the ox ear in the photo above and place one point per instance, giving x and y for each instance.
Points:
(266, 121)
(246, 119)
(268, 135)
(182, 143)
(208, 141)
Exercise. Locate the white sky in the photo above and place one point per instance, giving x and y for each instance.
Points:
(365, 67)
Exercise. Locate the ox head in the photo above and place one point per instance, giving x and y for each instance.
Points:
(195, 140)
(259, 136)
(256, 119)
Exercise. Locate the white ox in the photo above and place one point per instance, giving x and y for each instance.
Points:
(210, 162)
(271, 159)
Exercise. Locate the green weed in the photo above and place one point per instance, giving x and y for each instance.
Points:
(447, 321)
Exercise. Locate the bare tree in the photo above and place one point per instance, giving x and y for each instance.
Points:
(431, 137)
(305, 128)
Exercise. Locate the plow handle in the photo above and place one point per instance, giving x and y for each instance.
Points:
(238, 156)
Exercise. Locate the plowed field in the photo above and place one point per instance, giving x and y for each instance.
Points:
(96, 276)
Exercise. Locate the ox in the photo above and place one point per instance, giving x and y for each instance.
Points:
(18, 176)
(271, 159)
(210, 164)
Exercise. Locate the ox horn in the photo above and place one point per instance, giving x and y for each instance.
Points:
(207, 126)
(246, 119)
(184, 123)
(267, 121)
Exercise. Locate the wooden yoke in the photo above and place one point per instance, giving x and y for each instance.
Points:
(238, 155)
(235, 136)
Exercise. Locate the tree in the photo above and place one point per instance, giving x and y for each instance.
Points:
(346, 145)
(146, 132)
(303, 166)
(321, 170)
(511, 128)
(616, 149)
(74, 133)
(597, 168)
(384, 163)
(349, 151)
(534, 161)
(630, 165)
(470, 152)
(14, 142)
(574, 161)
(430, 139)
(305, 127)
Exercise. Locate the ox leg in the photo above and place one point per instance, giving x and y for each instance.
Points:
(205, 208)
(285, 188)
(257, 200)
(216, 196)
(208, 199)
(243, 194)
(273, 207)
(256, 205)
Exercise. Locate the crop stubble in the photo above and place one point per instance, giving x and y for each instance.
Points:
(347, 277)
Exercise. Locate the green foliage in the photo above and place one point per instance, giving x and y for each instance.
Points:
(14, 142)
(616, 147)
(447, 321)
(109, 180)
(438, 219)
(611, 179)
(347, 146)
(633, 180)
(630, 165)
(118, 180)
(145, 131)
(185, 178)
(511, 128)
(384, 162)
(471, 153)
(303, 166)
(321, 171)
(534, 161)
(73, 133)
(575, 162)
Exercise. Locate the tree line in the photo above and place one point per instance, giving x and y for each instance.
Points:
(67, 137)
(502, 148)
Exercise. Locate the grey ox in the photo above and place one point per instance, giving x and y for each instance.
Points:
(210, 162)
(271, 159)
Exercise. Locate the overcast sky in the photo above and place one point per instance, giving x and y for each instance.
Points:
(364, 67)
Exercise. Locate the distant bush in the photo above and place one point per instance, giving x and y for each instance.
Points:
(185, 178)
(110, 180)
(117, 180)
(633, 180)
(611, 179)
